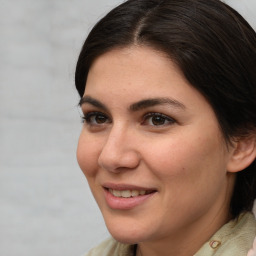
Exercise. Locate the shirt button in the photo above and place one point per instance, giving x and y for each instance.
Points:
(215, 244)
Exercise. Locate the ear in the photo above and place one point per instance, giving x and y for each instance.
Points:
(242, 154)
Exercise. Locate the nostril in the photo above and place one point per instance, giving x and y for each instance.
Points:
(118, 160)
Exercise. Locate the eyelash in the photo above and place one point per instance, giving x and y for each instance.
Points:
(88, 116)
(166, 120)
(162, 117)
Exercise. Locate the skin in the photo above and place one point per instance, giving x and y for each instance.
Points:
(181, 155)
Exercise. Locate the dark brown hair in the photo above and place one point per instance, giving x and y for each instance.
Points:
(214, 47)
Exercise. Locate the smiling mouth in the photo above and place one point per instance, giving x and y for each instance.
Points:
(129, 193)
(125, 196)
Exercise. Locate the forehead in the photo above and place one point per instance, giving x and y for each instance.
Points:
(132, 67)
(134, 73)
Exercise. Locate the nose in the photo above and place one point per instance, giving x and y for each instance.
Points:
(119, 151)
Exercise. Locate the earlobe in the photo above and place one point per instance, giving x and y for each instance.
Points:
(243, 154)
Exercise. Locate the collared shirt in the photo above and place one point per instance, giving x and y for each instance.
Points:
(233, 239)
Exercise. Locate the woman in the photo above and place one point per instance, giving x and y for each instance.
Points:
(168, 145)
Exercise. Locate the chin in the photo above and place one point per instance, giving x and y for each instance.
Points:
(127, 234)
(125, 238)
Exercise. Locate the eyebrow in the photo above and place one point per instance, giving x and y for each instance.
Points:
(156, 101)
(92, 101)
(146, 103)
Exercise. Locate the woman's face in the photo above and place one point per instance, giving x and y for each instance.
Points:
(151, 149)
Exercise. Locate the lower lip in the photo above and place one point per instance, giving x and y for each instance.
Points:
(121, 203)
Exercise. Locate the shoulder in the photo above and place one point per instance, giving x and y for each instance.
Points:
(242, 233)
(111, 247)
(233, 239)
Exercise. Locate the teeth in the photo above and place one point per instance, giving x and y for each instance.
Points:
(127, 193)
(117, 193)
(135, 192)
(142, 192)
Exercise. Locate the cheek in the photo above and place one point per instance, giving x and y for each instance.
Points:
(192, 169)
(87, 155)
(187, 158)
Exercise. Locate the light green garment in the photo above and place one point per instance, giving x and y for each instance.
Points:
(233, 239)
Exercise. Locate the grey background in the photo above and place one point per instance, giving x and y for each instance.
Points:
(45, 205)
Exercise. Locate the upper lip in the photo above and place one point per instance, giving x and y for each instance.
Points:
(121, 187)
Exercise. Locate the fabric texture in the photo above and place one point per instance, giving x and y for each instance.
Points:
(252, 252)
(233, 239)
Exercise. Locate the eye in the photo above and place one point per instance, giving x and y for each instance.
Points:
(95, 118)
(157, 119)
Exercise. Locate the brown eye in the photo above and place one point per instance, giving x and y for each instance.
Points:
(100, 119)
(96, 118)
(157, 119)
